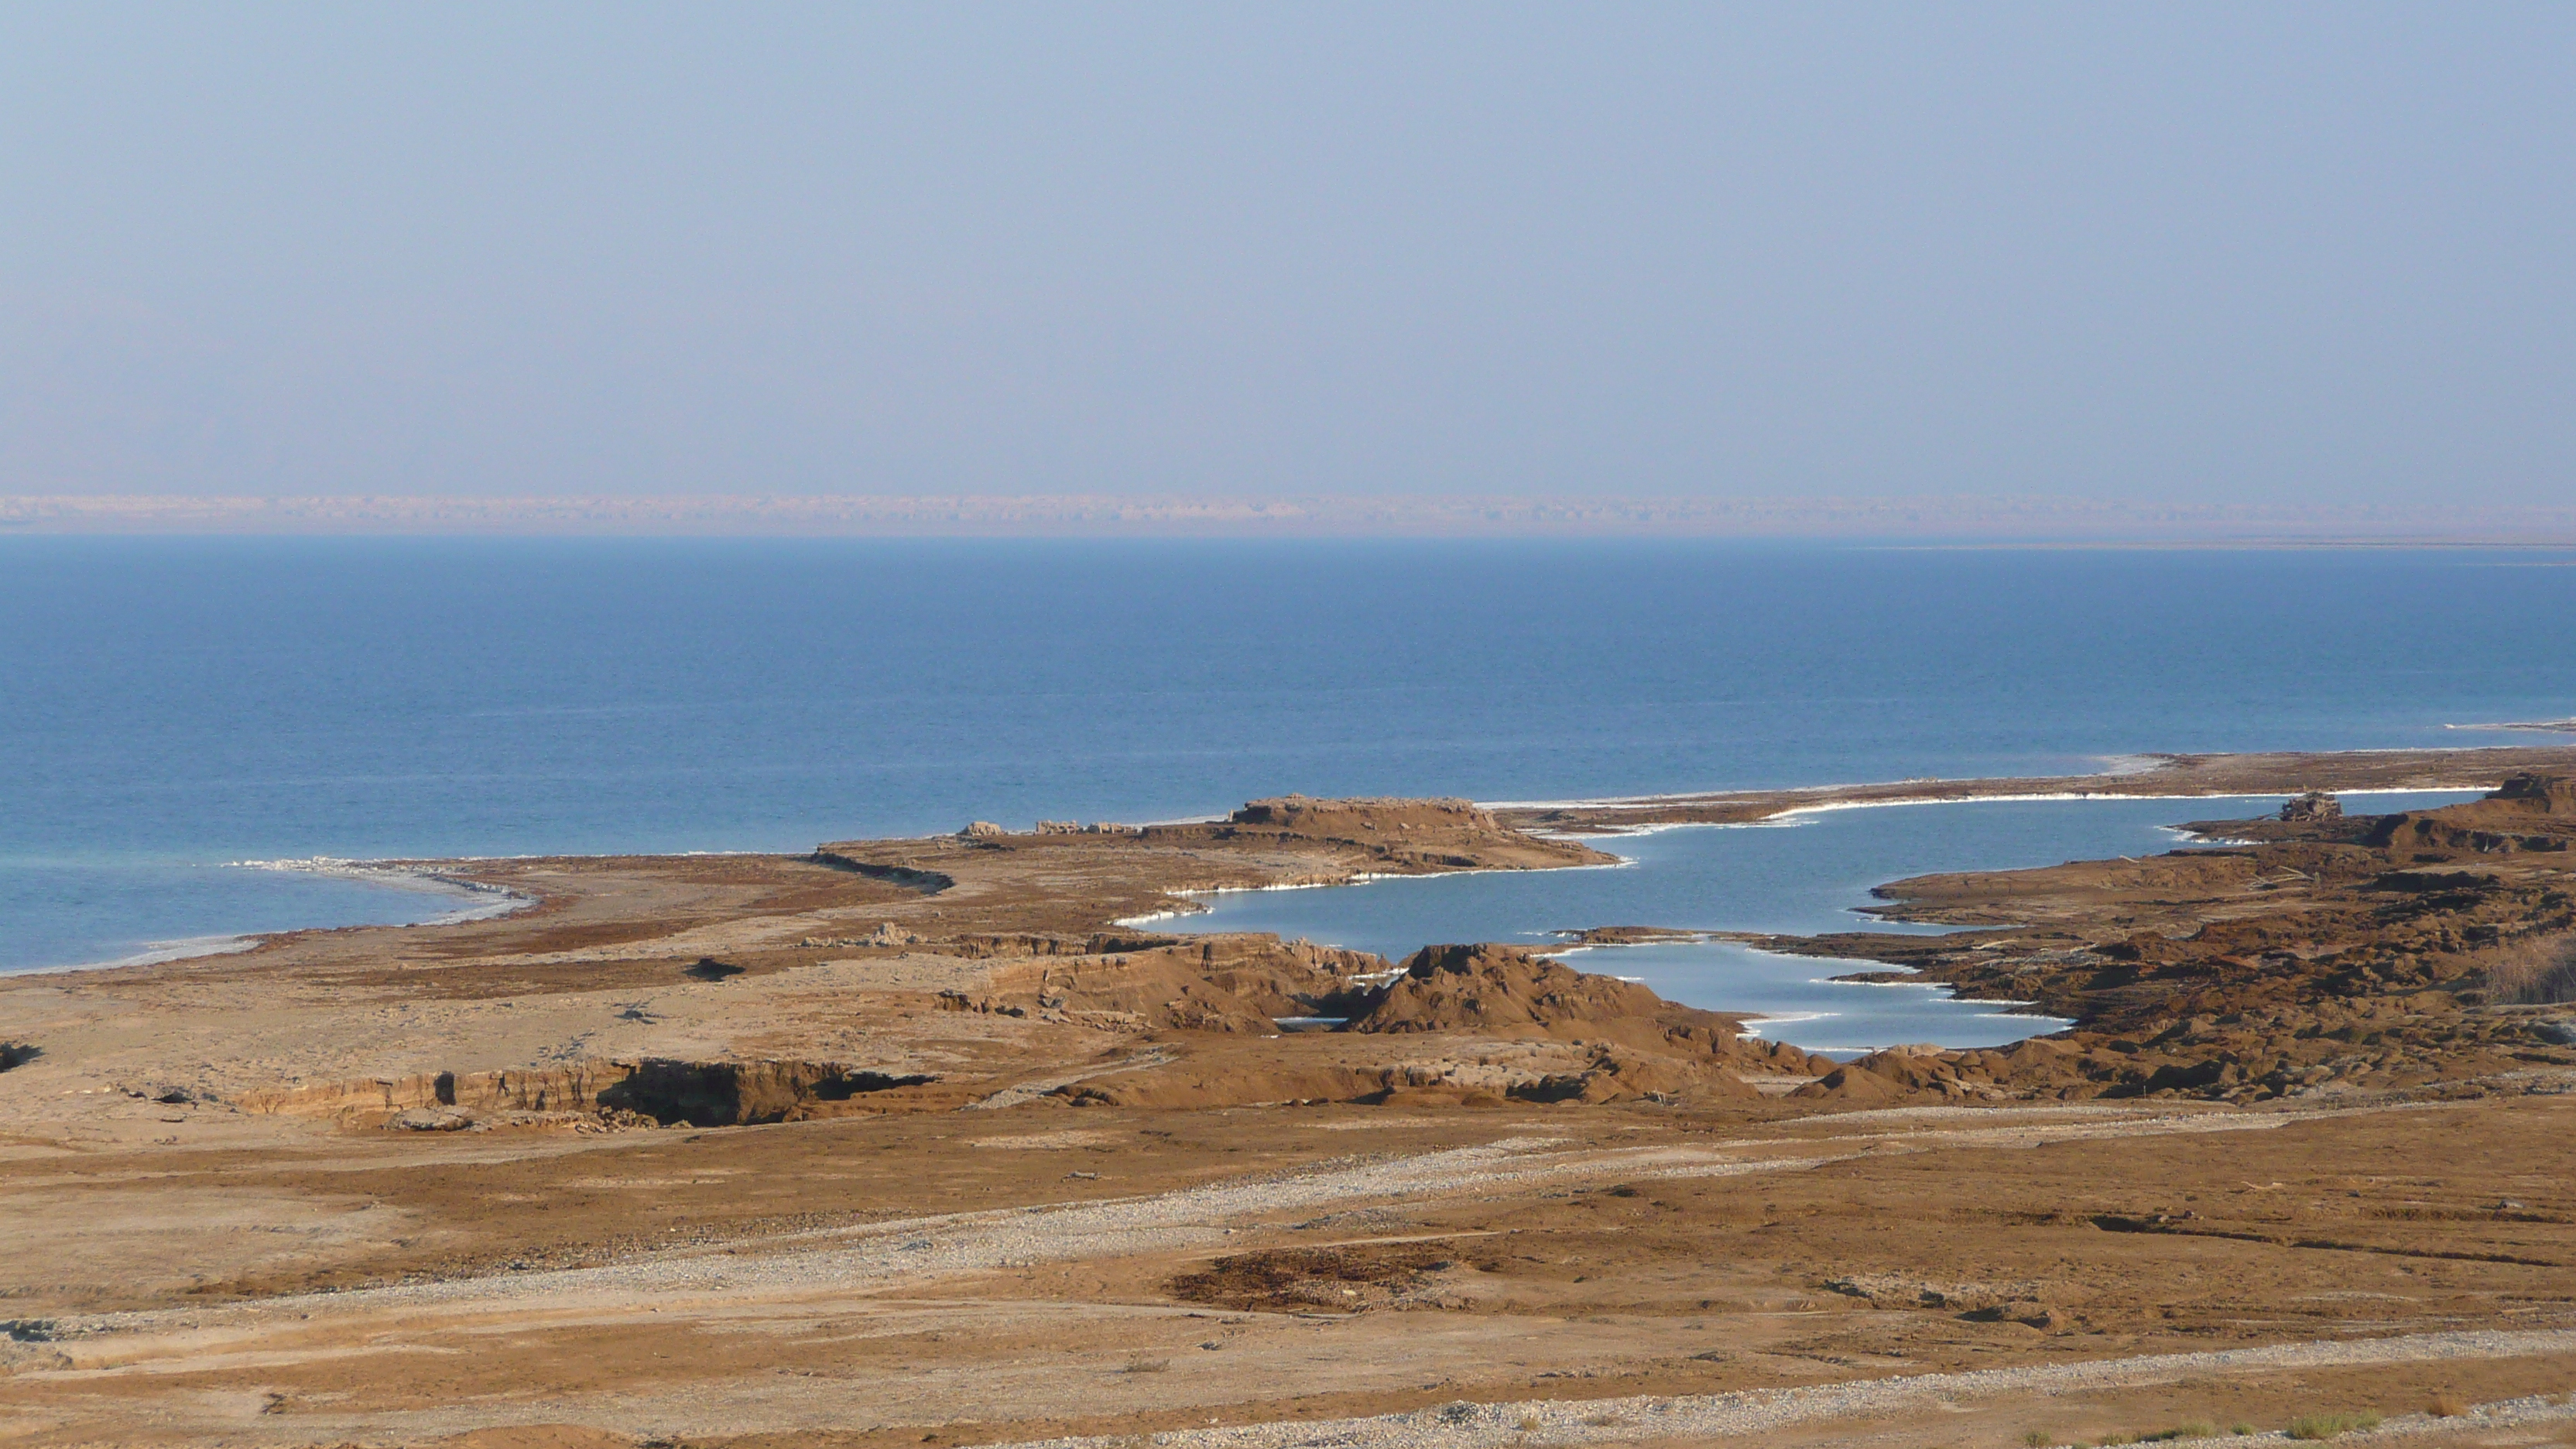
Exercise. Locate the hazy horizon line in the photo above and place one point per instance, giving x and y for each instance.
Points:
(1947, 518)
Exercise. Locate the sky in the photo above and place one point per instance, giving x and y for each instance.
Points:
(2162, 252)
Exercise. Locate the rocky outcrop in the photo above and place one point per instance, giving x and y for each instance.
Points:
(2538, 794)
(2528, 813)
(670, 1092)
(1216, 983)
(1306, 815)
(886, 934)
(1404, 835)
(2395, 952)
(1639, 1043)
(1509, 991)
(2314, 805)
(559, 1089)
(1974, 1075)
(983, 946)
(726, 1094)
(927, 882)
(1462, 1025)
(1852, 1085)
(1502, 990)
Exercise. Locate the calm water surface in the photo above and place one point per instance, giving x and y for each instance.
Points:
(1806, 874)
(169, 706)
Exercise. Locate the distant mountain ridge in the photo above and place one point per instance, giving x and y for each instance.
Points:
(1961, 518)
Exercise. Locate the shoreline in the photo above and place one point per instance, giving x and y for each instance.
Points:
(1871, 974)
(736, 1137)
(2126, 776)
(2140, 776)
(491, 901)
(482, 901)
(1838, 971)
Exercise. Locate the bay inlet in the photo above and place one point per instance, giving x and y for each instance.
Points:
(1808, 872)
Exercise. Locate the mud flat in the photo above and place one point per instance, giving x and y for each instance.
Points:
(909, 1141)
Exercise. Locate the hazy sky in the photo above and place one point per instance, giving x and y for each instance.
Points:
(2198, 252)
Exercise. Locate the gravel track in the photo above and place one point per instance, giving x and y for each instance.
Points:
(1534, 1422)
(871, 1256)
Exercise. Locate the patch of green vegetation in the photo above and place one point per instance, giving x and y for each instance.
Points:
(2327, 1426)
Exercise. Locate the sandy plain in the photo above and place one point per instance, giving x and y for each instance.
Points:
(912, 1142)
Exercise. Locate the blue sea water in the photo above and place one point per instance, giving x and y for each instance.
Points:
(1801, 874)
(168, 706)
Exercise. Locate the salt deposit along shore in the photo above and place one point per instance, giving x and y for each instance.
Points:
(911, 1141)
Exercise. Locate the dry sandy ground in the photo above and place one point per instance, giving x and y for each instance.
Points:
(973, 1277)
(220, 1230)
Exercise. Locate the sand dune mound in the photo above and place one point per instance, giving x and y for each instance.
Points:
(1462, 1024)
(1508, 991)
(1504, 990)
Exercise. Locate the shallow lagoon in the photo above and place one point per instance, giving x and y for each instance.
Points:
(91, 911)
(1801, 874)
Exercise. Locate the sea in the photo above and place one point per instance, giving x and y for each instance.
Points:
(190, 726)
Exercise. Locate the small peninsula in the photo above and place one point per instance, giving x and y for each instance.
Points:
(890, 1142)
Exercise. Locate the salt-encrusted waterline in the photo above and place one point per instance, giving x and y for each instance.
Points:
(1751, 878)
(1819, 1029)
(482, 901)
(1192, 900)
(1787, 806)
(1801, 810)
(488, 901)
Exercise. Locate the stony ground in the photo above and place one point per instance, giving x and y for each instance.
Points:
(1048, 1271)
(911, 1143)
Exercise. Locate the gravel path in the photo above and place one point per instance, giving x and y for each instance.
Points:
(1534, 1422)
(876, 1255)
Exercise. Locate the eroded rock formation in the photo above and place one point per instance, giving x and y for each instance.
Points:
(2330, 953)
